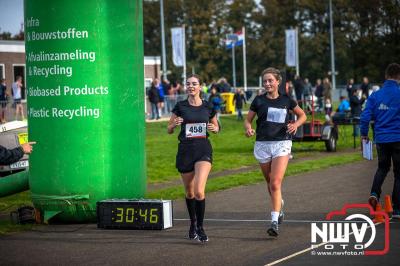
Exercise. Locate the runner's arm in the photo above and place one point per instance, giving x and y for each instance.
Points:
(249, 131)
(301, 118)
(173, 122)
(213, 125)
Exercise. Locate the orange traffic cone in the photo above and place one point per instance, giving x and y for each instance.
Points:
(379, 217)
(388, 205)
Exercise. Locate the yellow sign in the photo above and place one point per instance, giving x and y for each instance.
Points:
(23, 138)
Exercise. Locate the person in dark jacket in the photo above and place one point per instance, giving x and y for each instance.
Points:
(365, 87)
(223, 85)
(154, 99)
(238, 100)
(384, 107)
(9, 156)
(319, 92)
(356, 101)
(298, 87)
(350, 87)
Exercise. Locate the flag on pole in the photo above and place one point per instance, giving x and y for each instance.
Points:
(291, 47)
(234, 38)
(178, 46)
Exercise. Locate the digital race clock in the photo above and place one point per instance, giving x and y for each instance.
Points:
(134, 214)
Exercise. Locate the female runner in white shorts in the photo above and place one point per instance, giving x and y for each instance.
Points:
(273, 137)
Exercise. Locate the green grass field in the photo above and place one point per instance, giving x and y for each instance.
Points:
(231, 148)
(252, 177)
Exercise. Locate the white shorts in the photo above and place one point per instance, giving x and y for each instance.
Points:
(265, 151)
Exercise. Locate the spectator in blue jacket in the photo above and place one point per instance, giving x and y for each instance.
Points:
(344, 105)
(161, 98)
(383, 106)
(215, 102)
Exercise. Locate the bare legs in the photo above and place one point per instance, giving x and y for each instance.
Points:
(195, 182)
(19, 110)
(274, 172)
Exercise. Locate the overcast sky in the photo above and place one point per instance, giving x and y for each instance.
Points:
(11, 15)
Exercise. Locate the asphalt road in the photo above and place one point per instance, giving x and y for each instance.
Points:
(236, 222)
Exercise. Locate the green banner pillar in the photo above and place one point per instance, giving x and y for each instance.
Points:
(85, 88)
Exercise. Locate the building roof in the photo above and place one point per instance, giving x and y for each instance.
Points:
(12, 46)
(152, 60)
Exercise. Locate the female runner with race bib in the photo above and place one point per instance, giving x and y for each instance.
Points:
(194, 157)
(273, 138)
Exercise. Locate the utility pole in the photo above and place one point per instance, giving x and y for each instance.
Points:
(233, 65)
(244, 59)
(184, 54)
(333, 71)
(164, 60)
(297, 52)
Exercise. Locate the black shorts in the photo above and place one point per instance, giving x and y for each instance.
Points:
(192, 152)
(17, 101)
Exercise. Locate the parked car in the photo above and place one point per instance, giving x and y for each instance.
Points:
(12, 134)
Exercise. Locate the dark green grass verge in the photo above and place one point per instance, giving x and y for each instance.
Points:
(226, 182)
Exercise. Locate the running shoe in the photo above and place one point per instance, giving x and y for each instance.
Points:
(202, 237)
(373, 201)
(192, 232)
(274, 229)
(281, 214)
(396, 214)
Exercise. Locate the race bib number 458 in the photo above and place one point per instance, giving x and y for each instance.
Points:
(196, 130)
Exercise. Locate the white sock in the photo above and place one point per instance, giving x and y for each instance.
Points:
(274, 216)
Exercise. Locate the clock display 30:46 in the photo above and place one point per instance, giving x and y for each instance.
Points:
(130, 215)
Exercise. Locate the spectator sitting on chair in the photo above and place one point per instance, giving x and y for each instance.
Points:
(344, 105)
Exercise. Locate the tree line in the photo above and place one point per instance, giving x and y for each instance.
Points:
(366, 32)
